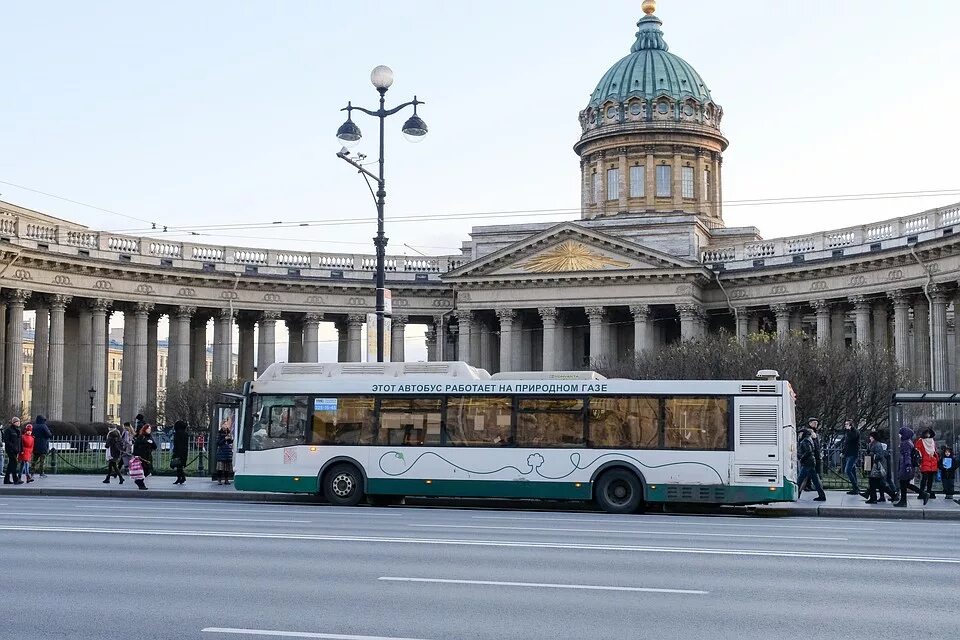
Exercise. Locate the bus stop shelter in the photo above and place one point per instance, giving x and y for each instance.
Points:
(919, 410)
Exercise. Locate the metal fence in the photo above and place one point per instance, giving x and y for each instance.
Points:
(88, 454)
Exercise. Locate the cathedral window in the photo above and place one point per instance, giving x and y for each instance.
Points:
(613, 184)
(664, 178)
(637, 178)
(686, 176)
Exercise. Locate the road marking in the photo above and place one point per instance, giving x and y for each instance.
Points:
(487, 543)
(544, 585)
(130, 517)
(297, 634)
(678, 520)
(647, 532)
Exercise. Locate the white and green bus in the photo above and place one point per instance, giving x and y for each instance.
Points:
(382, 431)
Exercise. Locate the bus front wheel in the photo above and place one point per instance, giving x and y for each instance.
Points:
(343, 485)
(619, 491)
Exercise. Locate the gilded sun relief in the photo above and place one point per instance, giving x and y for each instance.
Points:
(570, 256)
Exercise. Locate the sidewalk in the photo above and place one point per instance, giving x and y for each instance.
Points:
(838, 504)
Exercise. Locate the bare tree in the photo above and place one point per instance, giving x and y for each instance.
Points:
(192, 401)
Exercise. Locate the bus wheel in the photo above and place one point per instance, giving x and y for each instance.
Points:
(619, 491)
(343, 485)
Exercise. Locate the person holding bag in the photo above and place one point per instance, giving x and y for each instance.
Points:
(178, 458)
(136, 472)
(114, 451)
(877, 476)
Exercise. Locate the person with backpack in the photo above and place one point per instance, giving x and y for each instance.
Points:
(948, 472)
(224, 455)
(12, 446)
(850, 449)
(26, 452)
(929, 463)
(41, 446)
(178, 459)
(114, 451)
(808, 465)
(877, 477)
(907, 468)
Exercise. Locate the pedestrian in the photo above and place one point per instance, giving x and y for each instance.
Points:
(12, 446)
(948, 472)
(178, 458)
(929, 463)
(137, 473)
(812, 426)
(41, 446)
(114, 453)
(906, 470)
(138, 422)
(224, 455)
(808, 465)
(127, 437)
(26, 452)
(877, 477)
(143, 447)
(850, 448)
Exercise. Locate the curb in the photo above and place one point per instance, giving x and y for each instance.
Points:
(161, 494)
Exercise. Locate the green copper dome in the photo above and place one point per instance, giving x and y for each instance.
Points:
(650, 71)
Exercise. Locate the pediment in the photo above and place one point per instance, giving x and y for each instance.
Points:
(569, 249)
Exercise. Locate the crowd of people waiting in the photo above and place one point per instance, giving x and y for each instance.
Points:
(129, 451)
(918, 458)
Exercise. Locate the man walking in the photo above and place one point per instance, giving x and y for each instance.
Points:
(12, 446)
(850, 449)
(808, 465)
(42, 437)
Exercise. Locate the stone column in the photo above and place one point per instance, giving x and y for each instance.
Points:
(181, 361)
(84, 379)
(596, 317)
(41, 356)
(881, 325)
(311, 337)
(689, 321)
(699, 188)
(173, 339)
(430, 338)
(677, 176)
(796, 320)
(3, 348)
(267, 347)
(55, 392)
(649, 177)
(861, 312)
(452, 347)
(486, 348)
(98, 356)
(921, 339)
(153, 365)
(782, 314)
(507, 317)
(717, 195)
(398, 335)
(295, 339)
(465, 328)
(838, 326)
(126, 367)
(247, 346)
(443, 352)
(16, 300)
(198, 347)
(743, 325)
(822, 309)
(342, 350)
(139, 388)
(223, 345)
(901, 327)
(641, 328)
(549, 317)
(354, 344)
(938, 353)
(621, 187)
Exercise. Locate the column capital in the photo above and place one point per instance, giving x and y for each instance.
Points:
(463, 315)
(312, 317)
(99, 305)
(227, 314)
(780, 309)
(937, 293)
(859, 302)
(820, 306)
(18, 296)
(143, 308)
(548, 314)
(185, 312)
(689, 311)
(270, 316)
(58, 301)
(399, 321)
(353, 320)
(506, 315)
(594, 313)
(430, 335)
(899, 298)
(640, 311)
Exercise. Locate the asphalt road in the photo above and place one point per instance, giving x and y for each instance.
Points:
(119, 568)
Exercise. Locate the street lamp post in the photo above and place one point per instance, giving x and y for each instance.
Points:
(414, 128)
(93, 395)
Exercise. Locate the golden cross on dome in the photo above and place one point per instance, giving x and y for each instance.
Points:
(649, 6)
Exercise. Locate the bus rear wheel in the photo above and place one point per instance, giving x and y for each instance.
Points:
(343, 485)
(619, 491)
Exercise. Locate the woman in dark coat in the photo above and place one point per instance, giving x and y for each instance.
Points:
(41, 446)
(906, 471)
(179, 455)
(224, 455)
(143, 448)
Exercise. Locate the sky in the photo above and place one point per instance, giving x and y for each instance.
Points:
(224, 111)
